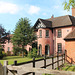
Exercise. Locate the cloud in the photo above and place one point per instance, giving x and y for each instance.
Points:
(56, 7)
(6, 7)
(33, 9)
(44, 14)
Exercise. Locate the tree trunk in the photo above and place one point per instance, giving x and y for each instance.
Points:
(22, 51)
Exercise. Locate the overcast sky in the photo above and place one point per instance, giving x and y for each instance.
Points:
(12, 10)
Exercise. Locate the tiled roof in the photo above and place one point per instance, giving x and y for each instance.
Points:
(47, 23)
(71, 35)
(58, 21)
(62, 21)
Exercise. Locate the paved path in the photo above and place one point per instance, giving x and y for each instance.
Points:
(41, 63)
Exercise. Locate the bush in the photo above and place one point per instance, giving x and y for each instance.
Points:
(16, 50)
(25, 52)
(8, 53)
(33, 53)
(1, 54)
(4, 54)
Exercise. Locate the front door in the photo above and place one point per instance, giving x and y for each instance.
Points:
(47, 50)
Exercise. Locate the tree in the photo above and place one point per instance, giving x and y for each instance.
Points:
(67, 5)
(23, 34)
(3, 38)
(3, 35)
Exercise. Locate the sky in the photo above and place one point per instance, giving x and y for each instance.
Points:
(12, 10)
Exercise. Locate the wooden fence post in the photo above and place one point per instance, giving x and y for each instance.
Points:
(45, 61)
(58, 60)
(33, 65)
(5, 68)
(53, 62)
(65, 56)
(15, 62)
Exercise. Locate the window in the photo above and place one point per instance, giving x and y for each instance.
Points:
(47, 33)
(8, 48)
(40, 33)
(59, 47)
(59, 33)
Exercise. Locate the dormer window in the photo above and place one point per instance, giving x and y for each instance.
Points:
(59, 33)
(40, 33)
(47, 33)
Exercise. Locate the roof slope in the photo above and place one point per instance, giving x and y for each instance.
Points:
(62, 21)
(46, 23)
(58, 21)
(71, 35)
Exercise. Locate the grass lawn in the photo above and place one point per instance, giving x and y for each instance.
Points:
(19, 59)
(68, 67)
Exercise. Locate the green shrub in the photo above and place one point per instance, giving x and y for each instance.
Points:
(33, 53)
(16, 50)
(1, 54)
(25, 52)
(4, 54)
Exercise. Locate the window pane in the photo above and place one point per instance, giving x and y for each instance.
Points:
(59, 33)
(59, 47)
(40, 33)
(8, 49)
(47, 33)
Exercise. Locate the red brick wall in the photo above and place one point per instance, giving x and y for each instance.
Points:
(45, 41)
(70, 47)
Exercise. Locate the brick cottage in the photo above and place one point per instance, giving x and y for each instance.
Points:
(70, 46)
(51, 33)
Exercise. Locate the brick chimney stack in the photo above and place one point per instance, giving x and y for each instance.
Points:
(73, 12)
(52, 16)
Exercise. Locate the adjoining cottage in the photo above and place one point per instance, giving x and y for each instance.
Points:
(70, 46)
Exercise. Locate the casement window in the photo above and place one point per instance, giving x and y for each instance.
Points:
(47, 33)
(40, 33)
(59, 47)
(8, 48)
(59, 33)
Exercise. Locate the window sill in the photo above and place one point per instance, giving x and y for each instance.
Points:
(47, 37)
(59, 37)
(40, 37)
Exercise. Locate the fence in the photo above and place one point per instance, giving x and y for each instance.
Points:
(34, 63)
(1, 69)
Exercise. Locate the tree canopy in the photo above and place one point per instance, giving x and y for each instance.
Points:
(69, 4)
(3, 35)
(23, 33)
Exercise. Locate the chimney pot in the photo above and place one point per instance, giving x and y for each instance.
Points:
(52, 16)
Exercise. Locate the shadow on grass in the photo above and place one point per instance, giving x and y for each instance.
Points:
(67, 68)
